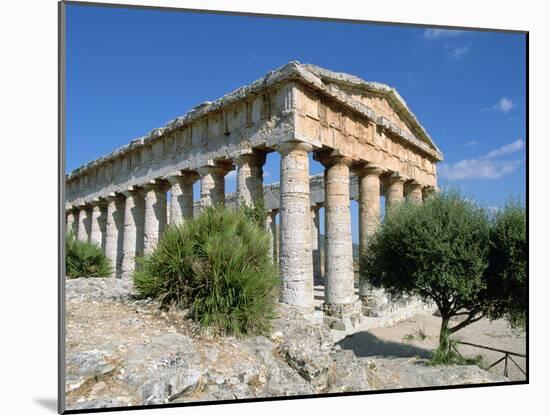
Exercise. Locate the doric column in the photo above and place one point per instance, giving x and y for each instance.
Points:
(114, 232)
(369, 203)
(271, 229)
(72, 220)
(132, 244)
(84, 223)
(250, 182)
(295, 261)
(213, 183)
(394, 190)
(340, 300)
(97, 228)
(413, 191)
(181, 191)
(369, 213)
(316, 241)
(155, 214)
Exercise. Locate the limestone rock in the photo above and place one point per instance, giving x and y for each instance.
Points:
(98, 289)
(126, 352)
(347, 373)
(399, 373)
(86, 365)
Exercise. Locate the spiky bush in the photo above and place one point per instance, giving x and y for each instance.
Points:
(84, 259)
(217, 266)
(256, 213)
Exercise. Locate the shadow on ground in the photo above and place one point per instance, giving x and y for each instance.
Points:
(365, 344)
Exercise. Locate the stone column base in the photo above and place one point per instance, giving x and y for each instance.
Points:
(374, 303)
(343, 316)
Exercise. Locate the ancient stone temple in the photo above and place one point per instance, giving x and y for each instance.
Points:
(363, 133)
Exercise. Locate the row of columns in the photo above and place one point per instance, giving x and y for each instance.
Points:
(300, 256)
(129, 223)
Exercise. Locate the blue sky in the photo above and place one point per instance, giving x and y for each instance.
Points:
(130, 70)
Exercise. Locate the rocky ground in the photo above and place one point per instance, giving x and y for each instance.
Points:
(419, 334)
(121, 351)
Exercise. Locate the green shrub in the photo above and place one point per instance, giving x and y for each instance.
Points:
(448, 249)
(84, 259)
(218, 266)
(507, 270)
(437, 250)
(452, 356)
(256, 213)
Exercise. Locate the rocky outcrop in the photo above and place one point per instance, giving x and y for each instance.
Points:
(122, 351)
(98, 289)
(399, 373)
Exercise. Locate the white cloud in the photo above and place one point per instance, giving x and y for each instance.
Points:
(514, 147)
(478, 169)
(504, 105)
(457, 53)
(430, 34)
(487, 166)
(472, 143)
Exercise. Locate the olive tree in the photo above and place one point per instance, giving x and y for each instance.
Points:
(507, 270)
(441, 250)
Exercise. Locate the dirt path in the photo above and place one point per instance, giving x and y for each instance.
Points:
(418, 335)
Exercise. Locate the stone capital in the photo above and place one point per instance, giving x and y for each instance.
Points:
(83, 205)
(182, 177)
(132, 191)
(332, 158)
(394, 177)
(367, 169)
(413, 185)
(256, 158)
(289, 146)
(114, 197)
(215, 168)
(157, 185)
(99, 202)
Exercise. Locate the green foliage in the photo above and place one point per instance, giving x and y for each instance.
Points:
(435, 249)
(506, 274)
(84, 259)
(218, 266)
(256, 213)
(451, 356)
(448, 249)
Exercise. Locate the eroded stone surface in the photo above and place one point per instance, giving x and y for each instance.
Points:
(295, 260)
(122, 351)
(412, 372)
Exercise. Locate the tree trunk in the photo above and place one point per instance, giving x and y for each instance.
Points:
(444, 333)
